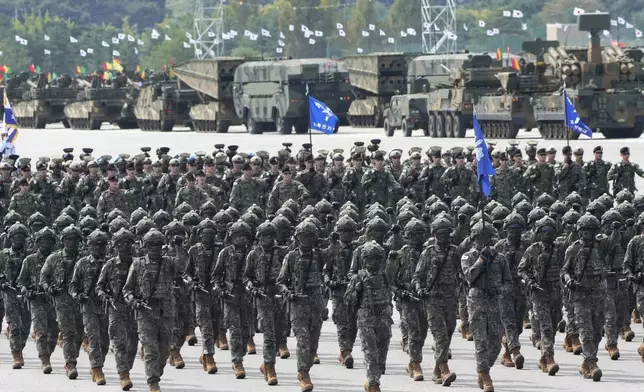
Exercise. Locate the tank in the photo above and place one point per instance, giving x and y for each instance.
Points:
(213, 80)
(375, 78)
(271, 95)
(97, 103)
(162, 104)
(42, 102)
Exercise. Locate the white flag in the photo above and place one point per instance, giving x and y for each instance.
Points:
(47, 51)
(411, 31)
(186, 45)
(304, 28)
(507, 14)
(365, 33)
(130, 38)
(308, 33)
(638, 33)
(167, 38)
(198, 52)
(90, 51)
(73, 40)
(426, 25)
(253, 37)
(524, 26)
(382, 33)
(621, 20)
(481, 23)
(225, 36)
(577, 11)
(266, 33)
(490, 33)
(341, 33)
(136, 50)
(517, 14)
(291, 28)
(359, 50)
(391, 40)
(629, 26)
(0, 53)
(606, 33)
(464, 27)
(18, 38)
(23, 42)
(613, 22)
(115, 40)
(247, 33)
(121, 35)
(403, 34)
(281, 43)
(233, 33)
(46, 37)
(495, 31)
(279, 50)
(154, 34)
(83, 53)
(339, 26)
(372, 27)
(211, 34)
(282, 35)
(115, 53)
(105, 44)
(140, 42)
(311, 41)
(188, 35)
(318, 33)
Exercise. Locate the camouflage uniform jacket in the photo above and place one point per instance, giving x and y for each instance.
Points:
(352, 183)
(596, 172)
(586, 265)
(623, 176)
(371, 294)
(25, 204)
(5, 195)
(431, 176)
(230, 177)
(10, 265)
(338, 263)
(513, 256)
(540, 178)
(153, 282)
(245, 193)
(438, 270)
(57, 273)
(282, 192)
(195, 197)
(86, 273)
(504, 185)
(522, 183)
(569, 179)
(168, 185)
(400, 269)
(334, 184)
(47, 190)
(485, 279)
(15, 187)
(460, 182)
(134, 186)
(413, 183)
(634, 257)
(379, 186)
(68, 188)
(314, 183)
(263, 268)
(214, 193)
(112, 279)
(29, 277)
(201, 264)
(228, 273)
(541, 264)
(86, 188)
(109, 201)
(302, 272)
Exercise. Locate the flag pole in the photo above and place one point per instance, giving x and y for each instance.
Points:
(308, 106)
(564, 95)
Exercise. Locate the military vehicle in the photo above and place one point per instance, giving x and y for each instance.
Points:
(375, 78)
(213, 81)
(271, 95)
(97, 103)
(406, 112)
(163, 104)
(601, 84)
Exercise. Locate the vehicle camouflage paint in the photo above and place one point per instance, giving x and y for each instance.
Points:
(406, 112)
(164, 103)
(213, 80)
(272, 95)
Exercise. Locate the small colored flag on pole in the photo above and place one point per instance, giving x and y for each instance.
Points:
(321, 118)
(499, 56)
(572, 119)
(484, 169)
(11, 126)
(515, 64)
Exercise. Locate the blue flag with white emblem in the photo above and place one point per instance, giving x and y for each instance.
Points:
(572, 118)
(321, 118)
(484, 169)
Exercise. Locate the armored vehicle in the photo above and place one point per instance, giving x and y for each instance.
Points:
(42, 103)
(406, 112)
(213, 81)
(164, 103)
(375, 78)
(271, 95)
(97, 103)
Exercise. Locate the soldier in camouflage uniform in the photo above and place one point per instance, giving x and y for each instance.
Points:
(569, 176)
(540, 176)
(411, 180)
(584, 273)
(134, 187)
(334, 174)
(112, 198)
(69, 184)
(634, 272)
(148, 289)
(352, 181)
(504, 182)
(487, 274)
(24, 201)
(88, 183)
(313, 181)
(121, 323)
(43, 186)
(286, 189)
(167, 188)
(246, 190)
(82, 288)
(432, 173)
(190, 194)
(379, 185)
(375, 230)
(400, 270)
(263, 266)
(368, 291)
(215, 194)
(300, 282)
(227, 279)
(622, 174)
(596, 172)
(43, 314)
(436, 280)
(55, 278)
(458, 180)
(17, 313)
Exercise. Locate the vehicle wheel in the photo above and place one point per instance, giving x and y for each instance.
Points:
(449, 125)
(459, 131)
(221, 126)
(406, 128)
(282, 125)
(440, 125)
(302, 126)
(40, 123)
(66, 123)
(389, 131)
(251, 126)
(167, 125)
(95, 125)
(431, 126)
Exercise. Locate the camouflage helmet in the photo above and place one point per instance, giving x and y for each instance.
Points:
(544, 201)
(345, 223)
(410, 207)
(45, 232)
(153, 236)
(174, 228)
(267, 228)
(490, 206)
(240, 227)
(233, 212)
(404, 217)
(373, 249)
(349, 204)
(281, 222)
(376, 212)
(114, 213)
(181, 210)
(208, 206)
(377, 224)
(405, 200)
(61, 222)
(518, 198)
(415, 226)
(292, 205)
(571, 217)
(36, 217)
(611, 216)
(437, 208)
(222, 217)
(588, 222)
(251, 220)
(626, 209)
(287, 213)
(71, 211)
(88, 224)
(88, 211)
(476, 218)
(12, 217)
(137, 215)
(573, 198)
(191, 219)
(558, 208)
(98, 236)
(480, 228)
(467, 210)
(315, 221)
(638, 201)
(624, 195)
(206, 224)
(306, 227)
(596, 208)
(513, 219)
(17, 228)
(606, 200)
(350, 213)
(324, 207)
(71, 231)
(161, 218)
(257, 210)
(441, 223)
(375, 205)
(523, 207)
(640, 219)
(431, 200)
(535, 215)
(144, 225)
(123, 234)
(545, 221)
(457, 203)
(308, 211)
(500, 212)
(117, 224)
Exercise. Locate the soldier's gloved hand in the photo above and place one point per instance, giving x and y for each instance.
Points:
(102, 295)
(633, 278)
(533, 286)
(488, 254)
(138, 304)
(52, 291)
(403, 294)
(572, 284)
(288, 294)
(83, 298)
(422, 292)
(29, 294)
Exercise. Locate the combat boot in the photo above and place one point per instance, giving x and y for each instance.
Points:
(594, 372)
(436, 375)
(124, 380)
(305, 380)
(268, 370)
(22, 359)
(316, 359)
(542, 364)
(561, 326)
(191, 338)
(45, 364)
(640, 351)
(178, 360)
(583, 369)
(627, 334)
(613, 351)
(447, 377)
(373, 388)
(239, 370)
(70, 370)
(154, 387)
(462, 330)
(518, 358)
(551, 366)
(16, 360)
(250, 347)
(635, 317)
(414, 371)
(567, 343)
(469, 335)
(487, 383)
(85, 344)
(346, 359)
(97, 375)
(210, 366)
(480, 380)
(576, 344)
(526, 323)
(222, 341)
(283, 351)
(506, 359)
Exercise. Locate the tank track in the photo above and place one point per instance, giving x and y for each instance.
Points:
(31, 122)
(372, 121)
(210, 126)
(556, 130)
(156, 125)
(85, 124)
(499, 129)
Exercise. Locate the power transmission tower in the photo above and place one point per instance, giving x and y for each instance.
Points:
(439, 26)
(208, 39)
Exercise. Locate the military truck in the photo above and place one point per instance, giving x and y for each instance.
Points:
(407, 113)
(375, 78)
(164, 103)
(271, 95)
(97, 103)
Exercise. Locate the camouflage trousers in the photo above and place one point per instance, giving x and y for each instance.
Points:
(486, 327)
(513, 310)
(416, 319)
(96, 327)
(155, 335)
(70, 323)
(462, 308)
(306, 321)
(441, 318)
(547, 307)
(184, 321)
(238, 319)
(568, 313)
(208, 315)
(123, 334)
(639, 301)
(271, 318)
(590, 317)
(404, 332)
(616, 302)
(43, 318)
(18, 319)
(375, 346)
(345, 320)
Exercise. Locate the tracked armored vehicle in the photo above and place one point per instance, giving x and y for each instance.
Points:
(271, 95)
(375, 78)
(164, 104)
